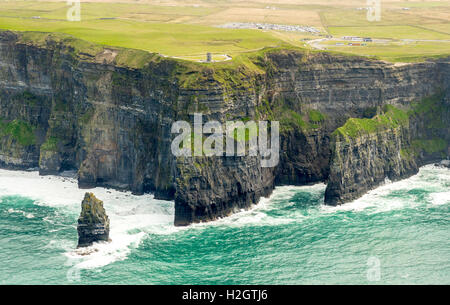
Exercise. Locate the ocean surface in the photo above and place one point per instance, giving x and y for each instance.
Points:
(396, 234)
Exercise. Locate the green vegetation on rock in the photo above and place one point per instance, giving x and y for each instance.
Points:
(316, 116)
(430, 146)
(290, 119)
(407, 153)
(433, 114)
(28, 97)
(391, 118)
(431, 110)
(51, 144)
(19, 130)
(87, 116)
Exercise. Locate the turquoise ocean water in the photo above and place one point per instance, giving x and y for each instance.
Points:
(396, 234)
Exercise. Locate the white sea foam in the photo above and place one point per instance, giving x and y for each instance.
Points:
(430, 178)
(131, 216)
(27, 215)
(257, 214)
(440, 198)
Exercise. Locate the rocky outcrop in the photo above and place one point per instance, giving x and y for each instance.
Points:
(444, 163)
(363, 161)
(217, 187)
(93, 223)
(391, 145)
(107, 113)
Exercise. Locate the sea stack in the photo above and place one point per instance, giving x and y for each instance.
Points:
(93, 223)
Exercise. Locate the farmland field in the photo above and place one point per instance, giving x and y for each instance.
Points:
(405, 51)
(189, 28)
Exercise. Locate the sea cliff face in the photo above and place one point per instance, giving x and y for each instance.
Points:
(364, 156)
(107, 113)
(393, 144)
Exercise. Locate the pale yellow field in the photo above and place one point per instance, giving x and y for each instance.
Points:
(439, 27)
(263, 15)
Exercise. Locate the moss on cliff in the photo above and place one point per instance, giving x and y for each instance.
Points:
(430, 146)
(391, 117)
(19, 130)
(27, 97)
(87, 116)
(407, 153)
(51, 144)
(316, 116)
(431, 114)
(431, 110)
(290, 119)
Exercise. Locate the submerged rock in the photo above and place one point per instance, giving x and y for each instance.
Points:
(93, 223)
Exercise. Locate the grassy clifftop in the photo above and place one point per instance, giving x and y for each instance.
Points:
(189, 72)
(429, 117)
(391, 117)
(86, 50)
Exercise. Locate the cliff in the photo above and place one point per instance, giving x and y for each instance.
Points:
(393, 144)
(107, 113)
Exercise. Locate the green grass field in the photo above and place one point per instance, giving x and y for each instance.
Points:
(166, 38)
(186, 29)
(389, 32)
(396, 51)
